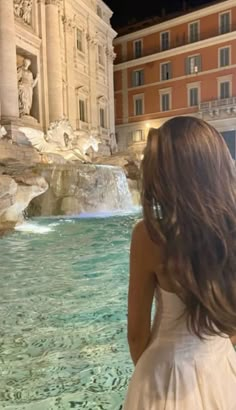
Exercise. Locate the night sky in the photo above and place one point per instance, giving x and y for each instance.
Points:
(126, 11)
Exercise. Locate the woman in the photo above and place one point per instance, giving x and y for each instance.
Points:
(183, 254)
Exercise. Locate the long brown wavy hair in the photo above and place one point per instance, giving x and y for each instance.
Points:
(189, 205)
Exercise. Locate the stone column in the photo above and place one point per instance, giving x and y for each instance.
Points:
(54, 63)
(111, 99)
(8, 70)
(92, 52)
(69, 29)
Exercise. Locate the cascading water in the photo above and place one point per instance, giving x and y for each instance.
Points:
(87, 188)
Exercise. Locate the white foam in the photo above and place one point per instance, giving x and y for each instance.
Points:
(33, 228)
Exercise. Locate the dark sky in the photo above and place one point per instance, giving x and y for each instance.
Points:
(127, 10)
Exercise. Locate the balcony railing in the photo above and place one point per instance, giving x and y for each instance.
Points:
(179, 41)
(215, 106)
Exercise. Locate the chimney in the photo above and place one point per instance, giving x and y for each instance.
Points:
(184, 5)
(163, 12)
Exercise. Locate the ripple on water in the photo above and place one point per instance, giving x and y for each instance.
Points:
(63, 314)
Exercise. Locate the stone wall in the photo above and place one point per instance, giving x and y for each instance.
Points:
(24, 154)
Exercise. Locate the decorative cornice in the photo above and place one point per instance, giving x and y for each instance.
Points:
(110, 53)
(83, 89)
(102, 99)
(91, 40)
(69, 23)
(53, 2)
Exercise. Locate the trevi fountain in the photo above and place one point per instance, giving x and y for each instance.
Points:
(67, 206)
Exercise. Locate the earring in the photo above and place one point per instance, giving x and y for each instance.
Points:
(158, 210)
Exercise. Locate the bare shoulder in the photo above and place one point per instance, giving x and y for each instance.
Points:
(140, 233)
(143, 244)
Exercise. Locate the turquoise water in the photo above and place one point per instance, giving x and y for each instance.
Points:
(63, 307)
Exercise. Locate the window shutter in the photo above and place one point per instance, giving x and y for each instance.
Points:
(170, 70)
(133, 79)
(227, 59)
(187, 65)
(199, 63)
(142, 77)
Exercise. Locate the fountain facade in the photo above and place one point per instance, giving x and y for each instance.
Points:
(56, 60)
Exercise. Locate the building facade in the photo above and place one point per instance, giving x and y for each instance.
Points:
(185, 65)
(56, 60)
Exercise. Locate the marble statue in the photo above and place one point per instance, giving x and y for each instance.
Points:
(61, 139)
(113, 144)
(84, 143)
(26, 84)
(23, 9)
(3, 132)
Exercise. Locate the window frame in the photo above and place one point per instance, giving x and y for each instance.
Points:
(230, 21)
(219, 56)
(140, 40)
(161, 41)
(141, 78)
(78, 29)
(162, 92)
(198, 31)
(135, 98)
(221, 80)
(170, 70)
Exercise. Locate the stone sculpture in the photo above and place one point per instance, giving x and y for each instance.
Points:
(23, 9)
(3, 132)
(113, 144)
(26, 84)
(84, 143)
(61, 139)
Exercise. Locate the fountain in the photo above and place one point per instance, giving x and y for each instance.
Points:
(76, 185)
(81, 188)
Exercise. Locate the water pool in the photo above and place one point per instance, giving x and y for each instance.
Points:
(63, 305)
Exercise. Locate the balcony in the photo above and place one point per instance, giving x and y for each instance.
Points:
(179, 41)
(217, 108)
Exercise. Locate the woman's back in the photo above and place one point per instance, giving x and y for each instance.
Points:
(187, 246)
(179, 371)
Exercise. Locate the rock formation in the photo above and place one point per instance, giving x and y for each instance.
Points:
(19, 184)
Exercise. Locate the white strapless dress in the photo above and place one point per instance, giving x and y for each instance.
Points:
(178, 371)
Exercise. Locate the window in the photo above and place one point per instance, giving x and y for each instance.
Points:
(137, 78)
(138, 45)
(138, 136)
(165, 40)
(79, 39)
(224, 89)
(138, 105)
(193, 33)
(100, 55)
(230, 139)
(224, 57)
(224, 23)
(165, 71)
(193, 96)
(102, 117)
(82, 110)
(193, 64)
(165, 102)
